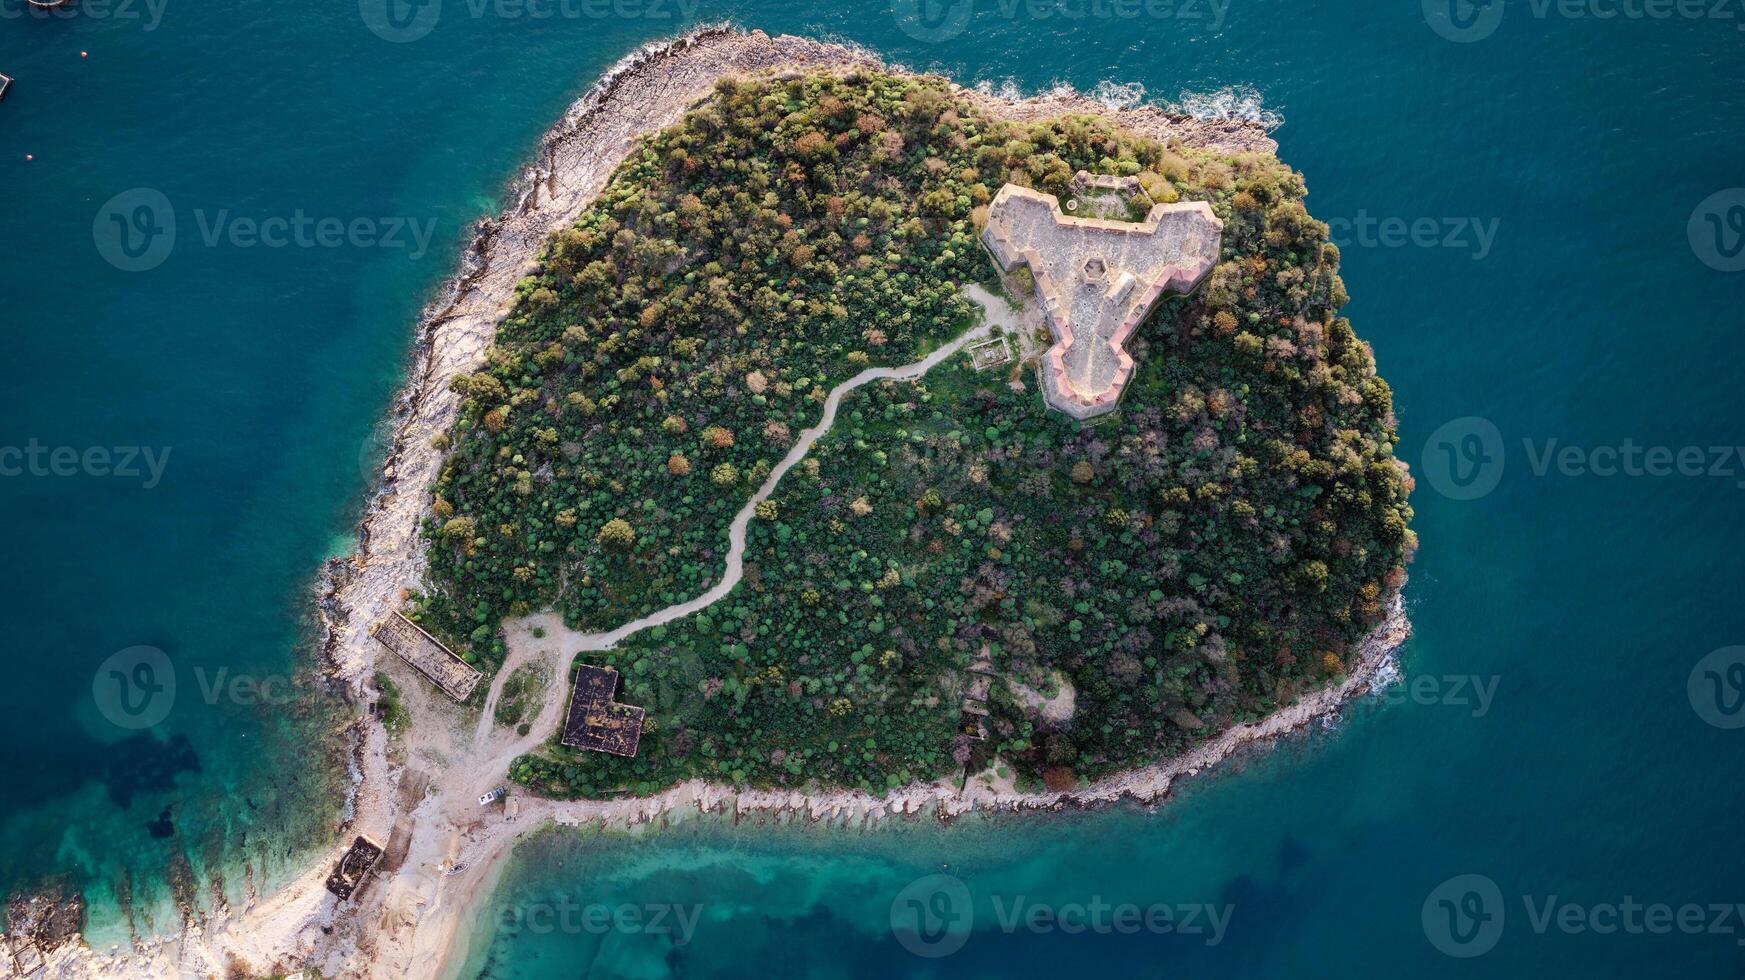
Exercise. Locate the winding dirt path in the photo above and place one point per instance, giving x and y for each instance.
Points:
(995, 312)
(544, 637)
(404, 925)
(453, 861)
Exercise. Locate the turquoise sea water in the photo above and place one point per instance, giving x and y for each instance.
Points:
(1585, 147)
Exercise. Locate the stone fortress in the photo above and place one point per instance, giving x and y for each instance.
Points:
(1098, 277)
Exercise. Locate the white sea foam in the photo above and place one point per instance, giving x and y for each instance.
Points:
(1387, 674)
(1242, 103)
(1006, 89)
(1118, 95)
(1237, 102)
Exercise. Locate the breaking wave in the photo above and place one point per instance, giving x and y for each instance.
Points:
(1007, 89)
(1386, 675)
(1233, 102)
(1117, 95)
(1241, 103)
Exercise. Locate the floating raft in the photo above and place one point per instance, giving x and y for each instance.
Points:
(455, 676)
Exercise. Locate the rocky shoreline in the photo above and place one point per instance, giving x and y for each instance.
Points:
(408, 923)
(1146, 785)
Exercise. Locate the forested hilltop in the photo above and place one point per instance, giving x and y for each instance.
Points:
(1194, 560)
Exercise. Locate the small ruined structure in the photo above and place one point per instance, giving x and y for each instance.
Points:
(1098, 278)
(988, 353)
(359, 860)
(455, 676)
(596, 722)
(978, 684)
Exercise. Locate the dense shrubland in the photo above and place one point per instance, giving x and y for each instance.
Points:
(1198, 558)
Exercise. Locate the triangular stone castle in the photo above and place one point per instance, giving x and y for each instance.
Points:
(1097, 279)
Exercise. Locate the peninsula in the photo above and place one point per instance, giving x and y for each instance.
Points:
(814, 436)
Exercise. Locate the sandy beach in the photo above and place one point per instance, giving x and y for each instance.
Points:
(419, 795)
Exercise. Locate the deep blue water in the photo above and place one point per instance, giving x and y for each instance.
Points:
(1584, 147)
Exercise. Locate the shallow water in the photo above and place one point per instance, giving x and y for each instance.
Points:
(1582, 314)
